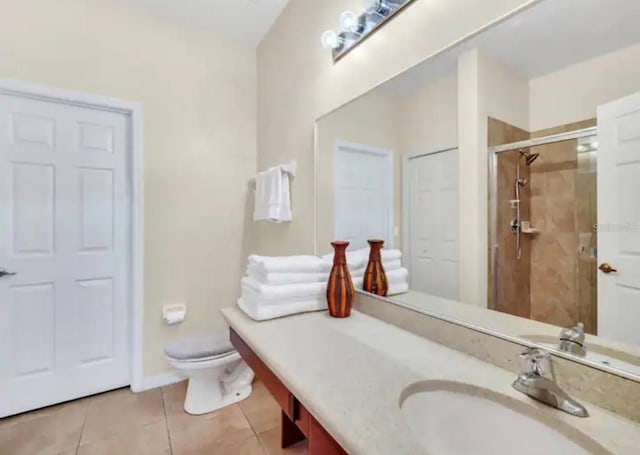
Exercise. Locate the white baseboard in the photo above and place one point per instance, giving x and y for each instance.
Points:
(161, 380)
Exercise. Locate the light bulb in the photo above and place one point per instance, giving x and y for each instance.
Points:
(330, 40)
(349, 22)
(371, 6)
(377, 6)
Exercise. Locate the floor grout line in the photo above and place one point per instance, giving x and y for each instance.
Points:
(84, 421)
(166, 420)
(167, 395)
(255, 432)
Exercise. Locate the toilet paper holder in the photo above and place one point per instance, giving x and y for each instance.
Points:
(174, 314)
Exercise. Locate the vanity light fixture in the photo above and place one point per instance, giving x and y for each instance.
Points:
(331, 40)
(350, 22)
(354, 28)
(380, 7)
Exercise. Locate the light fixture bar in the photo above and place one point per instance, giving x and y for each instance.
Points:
(355, 29)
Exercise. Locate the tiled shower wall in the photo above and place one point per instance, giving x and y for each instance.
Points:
(563, 207)
(555, 279)
(513, 285)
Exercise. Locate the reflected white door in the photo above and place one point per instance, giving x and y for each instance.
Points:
(619, 219)
(64, 233)
(433, 223)
(363, 195)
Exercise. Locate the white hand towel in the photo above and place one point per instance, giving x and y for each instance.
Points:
(284, 209)
(272, 198)
(263, 313)
(288, 264)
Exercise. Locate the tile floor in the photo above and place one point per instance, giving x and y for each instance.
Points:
(148, 423)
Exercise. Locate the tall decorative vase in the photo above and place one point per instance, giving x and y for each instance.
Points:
(340, 290)
(375, 278)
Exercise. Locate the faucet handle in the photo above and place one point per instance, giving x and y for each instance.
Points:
(534, 358)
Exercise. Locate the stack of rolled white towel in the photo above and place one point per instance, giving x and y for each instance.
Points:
(397, 276)
(279, 286)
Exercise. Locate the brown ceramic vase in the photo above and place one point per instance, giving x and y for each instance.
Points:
(375, 278)
(340, 290)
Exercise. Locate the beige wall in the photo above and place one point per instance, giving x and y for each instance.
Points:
(371, 120)
(199, 98)
(573, 94)
(423, 121)
(486, 88)
(297, 83)
(429, 117)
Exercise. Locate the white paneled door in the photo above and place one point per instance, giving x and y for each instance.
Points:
(433, 223)
(619, 220)
(64, 233)
(363, 195)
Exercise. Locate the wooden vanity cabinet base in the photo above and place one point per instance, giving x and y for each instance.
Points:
(297, 423)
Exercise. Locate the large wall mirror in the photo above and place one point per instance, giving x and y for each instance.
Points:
(505, 169)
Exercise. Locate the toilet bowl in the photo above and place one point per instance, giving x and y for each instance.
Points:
(218, 377)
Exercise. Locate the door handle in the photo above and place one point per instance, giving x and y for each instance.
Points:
(3, 272)
(606, 268)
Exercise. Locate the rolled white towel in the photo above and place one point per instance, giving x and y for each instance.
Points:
(285, 291)
(398, 276)
(276, 278)
(392, 264)
(253, 297)
(395, 289)
(288, 264)
(355, 259)
(390, 255)
(389, 266)
(268, 294)
(385, 254)
(262, 313)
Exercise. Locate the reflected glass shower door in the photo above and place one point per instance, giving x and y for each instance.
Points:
(554, 280)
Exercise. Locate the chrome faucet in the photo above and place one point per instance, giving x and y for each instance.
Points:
(538, 386)
(572, 340)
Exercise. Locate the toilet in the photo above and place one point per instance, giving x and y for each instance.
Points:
(218, 376)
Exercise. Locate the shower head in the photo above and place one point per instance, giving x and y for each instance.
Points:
(529, 158)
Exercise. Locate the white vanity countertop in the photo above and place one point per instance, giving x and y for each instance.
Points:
(349, 373)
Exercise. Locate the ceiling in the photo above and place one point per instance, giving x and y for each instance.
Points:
(544, 38)
(245, 21)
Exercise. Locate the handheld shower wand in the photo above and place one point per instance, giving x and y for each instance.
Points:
(516, 224)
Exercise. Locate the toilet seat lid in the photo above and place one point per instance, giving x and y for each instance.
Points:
(208, 345)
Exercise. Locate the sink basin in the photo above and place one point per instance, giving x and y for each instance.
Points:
(598, 354)
(454, 418)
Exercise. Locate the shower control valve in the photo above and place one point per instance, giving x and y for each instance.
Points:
(515, 225)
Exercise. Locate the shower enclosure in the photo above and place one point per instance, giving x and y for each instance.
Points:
(542, 223)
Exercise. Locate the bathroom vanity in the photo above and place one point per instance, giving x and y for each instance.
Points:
(363, 386)
(297, 423)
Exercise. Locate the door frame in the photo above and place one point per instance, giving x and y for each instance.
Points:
(135, 151)
(387, 154)
(406, 199)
